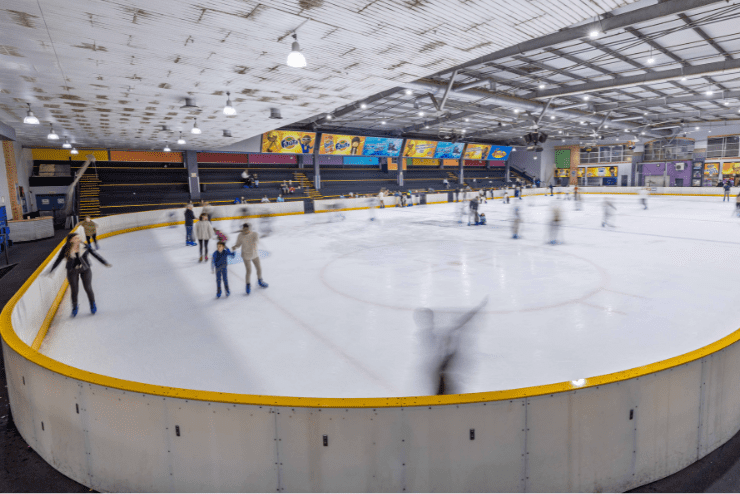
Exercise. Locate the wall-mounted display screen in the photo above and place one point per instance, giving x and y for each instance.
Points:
(449, 150)
(603, 171)
(477, 151)
(382, 146)
(288, 141)
(345, 145)
(499, 152)
(419, 149)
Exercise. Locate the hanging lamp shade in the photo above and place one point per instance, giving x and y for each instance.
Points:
(296, 58)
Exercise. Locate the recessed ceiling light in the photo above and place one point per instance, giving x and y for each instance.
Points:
(467, 120)
(552, 117)
(382, 122)
(409, 91)
(726, 103)
(426, 126)
(560, 131)
(696, 128)
(594, 33)
(606, 126)
(329, 117)
(586, 98)
(516, 110)
(709, 92)
(421, 113)
(541, 86)
(363, 105)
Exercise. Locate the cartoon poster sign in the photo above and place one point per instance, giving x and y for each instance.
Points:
(344, 145)
(729, 168)
(477, 151)
(288, 141)
(499, 152)
(603, 171)
(449, 150)
(581, 172)
(382, 146)
(419, 149)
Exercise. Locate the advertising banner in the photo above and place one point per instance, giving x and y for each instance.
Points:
(449, 150)
(581, 172)
(499, 152)
(696, 173)
(477, 151)
(381, 146)
(419, 149)
(341, 145)
(288, 141)
(562, 172)
(730, 169)
(603, 171)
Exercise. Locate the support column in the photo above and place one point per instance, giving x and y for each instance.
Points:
(507, 169)
(461, 170)
(191, 164)
(16, 211)
(316, 168)
(399, 177)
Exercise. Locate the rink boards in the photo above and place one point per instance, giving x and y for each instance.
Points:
(611, 432)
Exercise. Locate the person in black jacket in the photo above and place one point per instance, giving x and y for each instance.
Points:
(727, 192)
(78, 266)
(189, 217)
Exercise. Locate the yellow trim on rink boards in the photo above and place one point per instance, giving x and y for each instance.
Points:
(32, 354)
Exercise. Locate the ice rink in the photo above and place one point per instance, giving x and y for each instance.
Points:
(338, 319)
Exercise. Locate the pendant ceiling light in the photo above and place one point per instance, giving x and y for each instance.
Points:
(195, 129)
(30, 118)
(181, 140)
(228, 109)
(52, 135)
(66, 144)
(296, 58)
(166, 148)
(73, 151)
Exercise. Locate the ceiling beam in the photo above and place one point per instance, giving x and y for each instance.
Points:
(651, 103)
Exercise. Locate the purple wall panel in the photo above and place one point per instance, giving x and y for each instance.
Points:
(272, 159)
(330, 160)
(652, 169)
(685, 174)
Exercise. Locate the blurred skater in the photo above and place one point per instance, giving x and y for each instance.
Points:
(204, 232)
(248, 240)
(473, 211)
(608, 207)
(727, 192)
(78, 266)
(555, 222)
(219, 266)
(266, 223)
(577, 197)
(483, 218)
(206, 209)
(91, 231)
(517, 222)
(737, 204)
(189, 217)
(644, 197)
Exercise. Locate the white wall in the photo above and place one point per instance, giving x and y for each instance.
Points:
(251, 145)
(4, 190)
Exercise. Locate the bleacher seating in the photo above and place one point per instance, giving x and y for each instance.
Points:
(223, 182)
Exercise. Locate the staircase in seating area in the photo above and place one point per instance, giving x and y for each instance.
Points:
(89, 196)
(452, 178)
(306, 185)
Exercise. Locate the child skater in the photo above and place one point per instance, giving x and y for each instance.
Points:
(204, 232)
(220, 263)
(78, 266)
(189, 217)
(91, 231)
(247, 240)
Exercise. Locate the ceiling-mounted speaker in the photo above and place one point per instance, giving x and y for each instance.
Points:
(227, 133)
(190, 105)
(543, 137)
(275, 113)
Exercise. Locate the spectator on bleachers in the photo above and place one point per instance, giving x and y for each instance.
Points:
(256, 181)
(265, 199)
(284, 187)
(291, 190)
(247, 179)
(237, 201)
(280, 198)
(446, 183)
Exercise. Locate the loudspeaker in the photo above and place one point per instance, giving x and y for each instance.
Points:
(543, 137)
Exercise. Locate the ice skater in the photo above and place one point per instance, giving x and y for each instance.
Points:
(248, 240)
(737, 204)
(727, 192)
(555, 222)
(644, 197)
(577, 197)
(78, 266)
(517, 222)
(189, 217)
(473, 211)
(204, 232)
(483, 218)
(608, 207)
(91, 231)
(219, 265)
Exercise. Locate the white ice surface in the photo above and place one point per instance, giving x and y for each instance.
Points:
(337, 319)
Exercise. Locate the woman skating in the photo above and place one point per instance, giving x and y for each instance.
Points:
(247, 240)
(204, 232)
(78, 266)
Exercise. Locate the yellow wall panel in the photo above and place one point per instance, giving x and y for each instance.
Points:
(64, 154)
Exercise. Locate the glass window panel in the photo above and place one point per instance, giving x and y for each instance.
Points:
(731, 146)
(605, 153)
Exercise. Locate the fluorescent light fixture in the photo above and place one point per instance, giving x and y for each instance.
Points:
(296, 58)
(66, 144)
(73, 151)
(195, 129)
(181, 140)
(52, 135)
(30, 118)
(166, 148)
(228, 109)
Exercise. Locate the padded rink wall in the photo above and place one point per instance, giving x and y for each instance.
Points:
(608, 433)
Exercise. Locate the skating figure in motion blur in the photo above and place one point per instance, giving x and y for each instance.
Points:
(445, 343)
(557, 218)
(608, 207)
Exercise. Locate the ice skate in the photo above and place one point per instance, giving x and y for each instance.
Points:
(93, 308)
(218, 294)
(200, 259)
(74, 310)
(228, 293)
(249, 288)
(262, 284)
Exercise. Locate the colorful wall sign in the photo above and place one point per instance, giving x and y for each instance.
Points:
(562, 172)
(477, 151)
(419, 149)
(288, 141)
(449, 150)
(146, 156)
(382, 146)
(603, 171)
(562, 158)
(65, 155)
(345, 145)
(581, 172)
(499, 152)
(729, 168)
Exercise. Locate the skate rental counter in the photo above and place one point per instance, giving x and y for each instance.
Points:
(605, 433)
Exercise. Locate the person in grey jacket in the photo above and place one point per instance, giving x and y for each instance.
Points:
(247, 240)
(204, 232)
